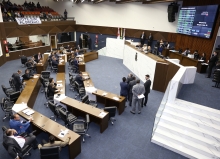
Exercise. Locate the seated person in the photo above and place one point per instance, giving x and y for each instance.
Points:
(79, 79)
(38, 57)
(148, 49)
(27, 75)
(52, 142)
(17, 142)
(55, 62)
(144, 47)
(19, 125)
(186, 52)
(52, 88)
(160, 49)
(76, 52)
(203, 57)
(196, 55)
(217, 65)
(167, 45)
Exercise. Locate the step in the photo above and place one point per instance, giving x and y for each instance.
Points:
(195, 129)
(193, 111)
(192, 120)
(195, 137)
(204, 109)
(186, 142)
(177, 148)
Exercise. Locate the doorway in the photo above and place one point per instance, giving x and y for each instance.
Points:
(53, 42)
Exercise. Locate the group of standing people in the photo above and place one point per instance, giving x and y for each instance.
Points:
(135, 92)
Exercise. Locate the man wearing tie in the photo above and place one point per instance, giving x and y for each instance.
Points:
(142, 38)
(212, 63)
(147, 85)
(137, 90)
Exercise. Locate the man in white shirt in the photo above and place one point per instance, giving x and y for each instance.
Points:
(18, 142)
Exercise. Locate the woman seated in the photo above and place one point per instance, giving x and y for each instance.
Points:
(27, 75)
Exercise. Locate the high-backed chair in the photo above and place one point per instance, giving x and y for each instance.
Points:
(81, 127)
(86, 100)
(6, 106)
(7, 91)
(112, 111)
(11, 83)
(53, 69)
(55, 109)
(50, 152)
(23, 60)
(14, 96)
(80, 90)
(67, 117)
(48, 98)
(44, 79)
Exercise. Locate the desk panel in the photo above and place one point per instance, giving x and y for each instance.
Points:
(42, 65)
(61, 66)
(89, 56)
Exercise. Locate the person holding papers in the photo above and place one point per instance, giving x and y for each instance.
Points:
(138, 90)
(19, 125)
(147, 85)
(52, 88)
(79, 79)
(52, 142)
(203, 57)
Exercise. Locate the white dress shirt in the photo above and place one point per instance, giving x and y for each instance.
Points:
(20, 140)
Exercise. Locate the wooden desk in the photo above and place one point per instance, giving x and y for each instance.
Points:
(30, 92)
(44, 124)
(61, 77)
(165, 52)
(201, 68)
(61, 66)
(42, 66)
(89, 56)
(108, 99)
(82, 67)
(81, 109)
(175, 55)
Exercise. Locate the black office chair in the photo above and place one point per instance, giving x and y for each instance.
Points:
(80, 90)
(22, 152)
(112, 111)
(30, 67)
(53, 68)
(7, 91)
(86, 100)
(23, 60)
(44, 79)
(45, 75)
(14, 96)
(81, 127)
(72, 81)
(55, 109)
(50, 152)
(6, 106)
(67, 117)
(11, 83)
(216, 78)
(48, 98)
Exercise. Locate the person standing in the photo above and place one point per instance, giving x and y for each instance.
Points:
(124, 88)
(212, 63)
(130, 86)
(17, 80)
(150, 39)
(65, 14)
(142, 38)
(137, 90)
(89, 42)
(80, 42)
(147, 85)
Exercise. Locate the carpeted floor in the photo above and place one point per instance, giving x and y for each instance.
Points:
(128, 138)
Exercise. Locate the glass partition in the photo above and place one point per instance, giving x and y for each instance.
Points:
(25, 42)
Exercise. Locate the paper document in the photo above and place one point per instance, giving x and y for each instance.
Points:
(63, 133)
(59, 81)
(28, 111)
(141, 96)
(35, 76)
(201, 60)
(59, 85)
(104, 94)
(90, 89)
(18, 107)
(102, 114)
(115, 98)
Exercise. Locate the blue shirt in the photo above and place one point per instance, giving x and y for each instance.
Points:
(18, 125)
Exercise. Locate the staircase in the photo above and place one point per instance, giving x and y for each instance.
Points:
(189, 129)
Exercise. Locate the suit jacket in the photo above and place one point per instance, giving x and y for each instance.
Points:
(203, 58)
(17, 79)
(150, 38)
(147, 85)
(124, 89)
(129, 79)
(26, 76)
(51, 91)
(130, 86)
(213, 61)
(79, 79)
(76, 63)
(11, 143)
(36, 57)
(138, 89)
(18, 125)
(55, 63)
(144, 37)
(56, 143)
(76, 53)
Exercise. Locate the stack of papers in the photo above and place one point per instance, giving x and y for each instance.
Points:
(90, 89)
(35, 76)
(104, 94)
(59, 85)
(18, 107)
(115, 98)
(63, 133)
(84, 74)
(141, 96)
(86, 77)
(28, 111)
(59, 81)
(102, 114)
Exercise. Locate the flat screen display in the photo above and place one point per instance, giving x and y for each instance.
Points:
(197, 20)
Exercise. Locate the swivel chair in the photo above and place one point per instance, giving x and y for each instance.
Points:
(112, 112)
(67, 117)
(6, 106)
(55, 109)
(86, 100)
(23, 60)
(50, 152)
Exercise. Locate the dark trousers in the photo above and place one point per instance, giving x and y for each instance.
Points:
(30, 140)
(142, 42)
(145, 99)
(130, 98)
(124, 96)
(17, 88)
(210, 71)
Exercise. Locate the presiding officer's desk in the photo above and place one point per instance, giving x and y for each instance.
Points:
(61, 65)
(81, 109)
(30, 92)
(42, 65)
(61, 82)
(42, 123)
(107, 99)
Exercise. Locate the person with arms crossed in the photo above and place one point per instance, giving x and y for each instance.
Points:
(137, 90)
(147, 85)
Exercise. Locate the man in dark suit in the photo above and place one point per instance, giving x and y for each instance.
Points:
(130, 86)
(129, 78)
(76, 52)
(17, 80)
(38, 57)
(17, 142)
(124, 88)
(147, 85)
(27, 75)
(150, 39)
(79, 79)
(55, 62)
(80, 42)
(142, 38)
(212, 63)
(89, 42)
